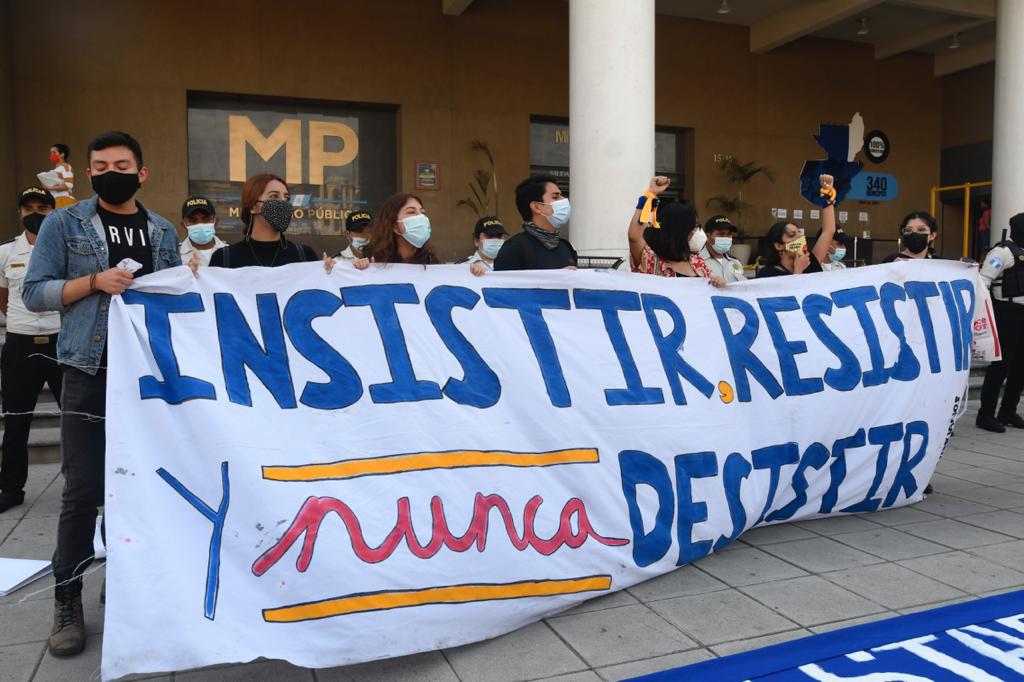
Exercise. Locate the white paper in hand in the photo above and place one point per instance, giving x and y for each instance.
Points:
(129, 264)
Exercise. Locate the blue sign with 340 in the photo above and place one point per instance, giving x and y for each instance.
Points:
(867, 186)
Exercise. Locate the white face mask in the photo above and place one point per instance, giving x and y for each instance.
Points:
(561, 211)
(360, 242)
(490, 247)
(722, 244)
(697, 240)
(417, 229)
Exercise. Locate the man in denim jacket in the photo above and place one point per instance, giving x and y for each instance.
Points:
(74, 270)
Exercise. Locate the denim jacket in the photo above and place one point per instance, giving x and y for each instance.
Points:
(71, 244)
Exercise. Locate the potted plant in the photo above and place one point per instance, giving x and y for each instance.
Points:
(484, 180)
(738, 174)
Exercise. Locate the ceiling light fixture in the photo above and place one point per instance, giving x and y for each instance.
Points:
(724, 7)
(864, 28)
(955, 42)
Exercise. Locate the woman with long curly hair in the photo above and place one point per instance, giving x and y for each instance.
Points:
(399, 233)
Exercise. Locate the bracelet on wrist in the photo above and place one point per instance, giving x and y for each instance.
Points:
(92, 283)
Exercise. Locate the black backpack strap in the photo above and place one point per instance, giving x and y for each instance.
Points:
(301, 252)
(227, 256)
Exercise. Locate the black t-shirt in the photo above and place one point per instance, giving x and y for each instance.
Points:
(267, 254)
(127, 237)
(893, 257)
(779, 271)
(525, 252)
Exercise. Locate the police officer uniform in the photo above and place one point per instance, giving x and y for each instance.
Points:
(490, 227)
(1003, 272)
(355, 225)
(725, 266)
(28, 359)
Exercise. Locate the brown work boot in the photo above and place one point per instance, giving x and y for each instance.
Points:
(68, 635)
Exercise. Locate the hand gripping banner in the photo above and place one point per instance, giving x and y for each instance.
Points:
(334, 468)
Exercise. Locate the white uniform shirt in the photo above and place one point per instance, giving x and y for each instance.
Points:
(347, 255)
(728, 268)
(186, 249)
(832, 267)
(477, 258)
(14, 257)
(999, 260)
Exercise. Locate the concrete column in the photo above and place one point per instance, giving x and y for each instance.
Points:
(1008, 135)
(611, 118)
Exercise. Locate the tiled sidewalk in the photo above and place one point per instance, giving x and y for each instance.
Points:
(774, 584)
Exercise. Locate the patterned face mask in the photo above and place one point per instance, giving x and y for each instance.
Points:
(278, 213)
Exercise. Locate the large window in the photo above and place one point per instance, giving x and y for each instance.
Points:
(335, 157)
(549, 153)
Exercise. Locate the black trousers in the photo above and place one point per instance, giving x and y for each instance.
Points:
(1010, 324)
(26, 363)
(83, 447)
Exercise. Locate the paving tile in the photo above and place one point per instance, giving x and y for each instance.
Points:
(838, 524)
(821, 554)
(985, 477)
(900, 515)
(6, 526)
(683, 581)
(1009, 554)
(949, 506)
(965, 572)
(620, 635)
(18, 662)
(779, 532)
(721, 617)
(608, 601)
(85, 666)
(949, 483)
(892, 585)
(954, 534)
(935, 605)
(426, 667)
(811, 600)
(1005, 522)
(890, 543)
(993, 497)
(850, 622)
(742, 645)
(279, 671)
(582, 676)
(528, 653)
(746, 566)
(653, 665)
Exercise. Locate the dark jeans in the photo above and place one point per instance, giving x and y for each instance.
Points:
(26, 363)
(1010, 325)
(83, 446)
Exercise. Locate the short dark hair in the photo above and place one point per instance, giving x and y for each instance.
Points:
(115, 138)
(62, 149)
(925, 216)
(529, 190)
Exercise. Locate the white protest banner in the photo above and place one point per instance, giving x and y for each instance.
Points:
(333, 468)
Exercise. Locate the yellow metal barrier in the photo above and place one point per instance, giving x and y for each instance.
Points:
(966, 187)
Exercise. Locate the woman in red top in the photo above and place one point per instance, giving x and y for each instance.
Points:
(665, 241)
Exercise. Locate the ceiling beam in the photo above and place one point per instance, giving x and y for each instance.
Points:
(912, 41)
(964, 58)
(974, 9)
(454, 8)
(800, 20)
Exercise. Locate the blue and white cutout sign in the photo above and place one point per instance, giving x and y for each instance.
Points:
(867, 186)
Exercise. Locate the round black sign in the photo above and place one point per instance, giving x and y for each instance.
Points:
(876, 146)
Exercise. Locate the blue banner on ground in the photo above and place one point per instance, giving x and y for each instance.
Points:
(980, 640)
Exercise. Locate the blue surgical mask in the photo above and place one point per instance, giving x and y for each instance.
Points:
(838, 255)
(722, 244)
(490, 247)
(360, 242)
(201, 233)
(417, 230)
(561, 211)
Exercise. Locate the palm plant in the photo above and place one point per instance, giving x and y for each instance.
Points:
(484, 180)
(738, 175)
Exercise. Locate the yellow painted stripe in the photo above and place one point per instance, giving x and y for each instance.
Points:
(420, 461)
(453, 594)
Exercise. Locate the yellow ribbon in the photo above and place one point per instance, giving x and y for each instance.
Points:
(649, 213)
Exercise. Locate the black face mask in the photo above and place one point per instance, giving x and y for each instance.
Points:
(115, 188)
(915, 242)
(32, 222)
(278, 213)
